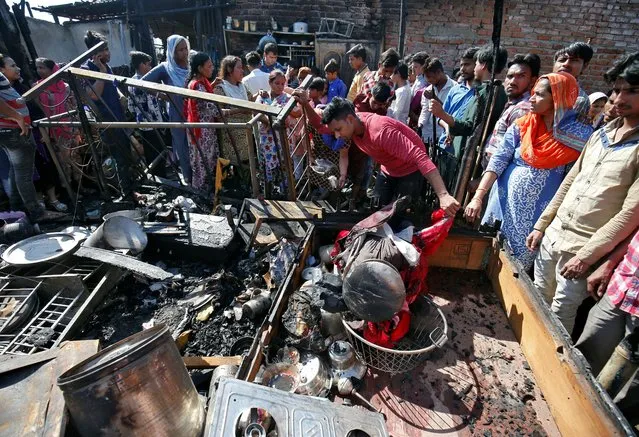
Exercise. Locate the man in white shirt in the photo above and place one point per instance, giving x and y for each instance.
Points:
(256, 80)
(400, 106)
(440, 85)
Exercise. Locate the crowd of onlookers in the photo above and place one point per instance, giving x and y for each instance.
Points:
(559, 168)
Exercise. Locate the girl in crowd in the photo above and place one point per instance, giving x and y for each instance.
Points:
(203, 143)
(269, 152)
(57, 99)
(230, 84)
(175, 72)
(46, 173)
(531, 163)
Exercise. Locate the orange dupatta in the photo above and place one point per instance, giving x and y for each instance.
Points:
(539, 148)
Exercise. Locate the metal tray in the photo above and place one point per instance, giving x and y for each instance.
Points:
(294, 415)
(40, 248)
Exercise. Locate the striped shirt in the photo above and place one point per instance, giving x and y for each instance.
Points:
(623, 289)
(13, 99)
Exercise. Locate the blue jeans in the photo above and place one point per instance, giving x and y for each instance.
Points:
(21, 152)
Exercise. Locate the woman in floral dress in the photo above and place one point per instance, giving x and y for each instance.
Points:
(203, 143)
(270, 142)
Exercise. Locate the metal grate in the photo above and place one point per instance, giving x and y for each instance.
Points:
(12, 300)
(49, 325)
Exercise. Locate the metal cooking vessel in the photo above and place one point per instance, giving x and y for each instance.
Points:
(136, 387)
(374, 291)
(124, 233)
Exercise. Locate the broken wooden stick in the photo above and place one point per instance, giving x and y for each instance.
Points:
(207, 362)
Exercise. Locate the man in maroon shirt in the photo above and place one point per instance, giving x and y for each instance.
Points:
(396, 147)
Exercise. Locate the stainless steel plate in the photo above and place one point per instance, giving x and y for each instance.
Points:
(40, 248)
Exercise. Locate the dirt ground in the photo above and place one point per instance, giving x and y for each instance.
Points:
(479, 384)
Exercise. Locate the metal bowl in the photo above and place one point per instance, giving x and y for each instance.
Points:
(374, 290)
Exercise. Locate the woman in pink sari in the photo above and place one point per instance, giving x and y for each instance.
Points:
(57, 99)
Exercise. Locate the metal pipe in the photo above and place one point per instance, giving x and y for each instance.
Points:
(252, 162)
(142, 125)
(36, 90)
(183, 92)
(86, 127)
(281, 117)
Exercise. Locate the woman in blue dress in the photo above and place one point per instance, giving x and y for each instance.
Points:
(531, 163)
(174, 71)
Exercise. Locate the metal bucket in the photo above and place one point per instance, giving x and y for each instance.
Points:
(136, 387)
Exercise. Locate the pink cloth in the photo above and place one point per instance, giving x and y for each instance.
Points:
(53, 103)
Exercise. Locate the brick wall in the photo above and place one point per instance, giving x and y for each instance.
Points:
(366, 14)
(445, 28)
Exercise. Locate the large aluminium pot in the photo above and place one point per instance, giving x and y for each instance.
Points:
(136, 387)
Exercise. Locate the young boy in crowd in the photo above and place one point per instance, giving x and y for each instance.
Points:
(357, 60)
(336, 87)
(596, 206)
(400, 106)
(269, 60)
(256, 80)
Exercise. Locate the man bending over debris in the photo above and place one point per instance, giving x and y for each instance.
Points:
(393, 144)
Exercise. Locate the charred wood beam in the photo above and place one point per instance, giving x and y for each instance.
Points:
(21, 21)
(10, 34)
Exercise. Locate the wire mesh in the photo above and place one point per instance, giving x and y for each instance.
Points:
(428, 331)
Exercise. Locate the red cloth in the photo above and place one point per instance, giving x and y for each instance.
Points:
(623, 289)
(388, 333)
(190, 106)
(426, 241)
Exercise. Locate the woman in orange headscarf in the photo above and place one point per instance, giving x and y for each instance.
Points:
(531, 162)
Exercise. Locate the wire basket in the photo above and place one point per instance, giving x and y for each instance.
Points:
(428, 331)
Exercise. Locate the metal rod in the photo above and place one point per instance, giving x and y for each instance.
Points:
(184, 92)
(36, 90)
(288, 163)
(58, 116)
(56, 162)
(281, 117)
(86, 127)
(141, 125)
(252, 162)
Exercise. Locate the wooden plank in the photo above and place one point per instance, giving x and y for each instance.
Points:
(33, 92)
(285, 210)
(578, 404)
(462, 252)
(184, 92)
(71, 353)
(123, 261)
(208, 362)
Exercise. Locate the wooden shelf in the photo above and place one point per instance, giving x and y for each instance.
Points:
(243, 32)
